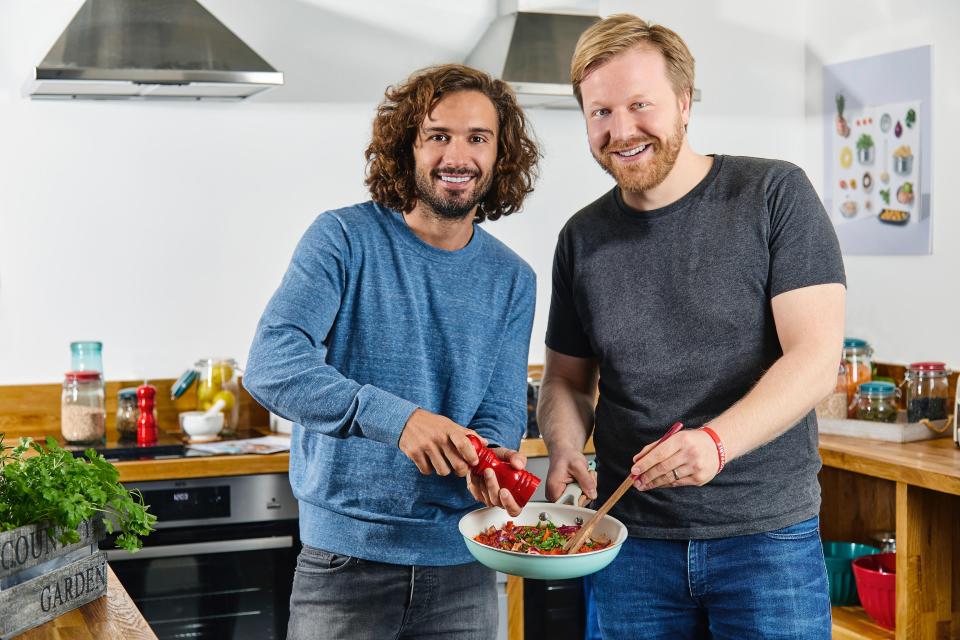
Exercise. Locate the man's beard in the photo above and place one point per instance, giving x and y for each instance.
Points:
(650, 174)
(451, 205)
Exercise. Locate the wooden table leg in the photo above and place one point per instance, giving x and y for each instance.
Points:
(514, 608)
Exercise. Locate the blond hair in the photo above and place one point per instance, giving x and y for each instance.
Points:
(622, 31)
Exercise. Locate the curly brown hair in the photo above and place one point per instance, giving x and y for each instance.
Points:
(390, 161)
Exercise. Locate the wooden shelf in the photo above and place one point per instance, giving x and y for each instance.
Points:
(912, 489)
(853, 623)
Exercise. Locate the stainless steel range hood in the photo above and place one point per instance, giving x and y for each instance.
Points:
(532, 51)
(163, 49)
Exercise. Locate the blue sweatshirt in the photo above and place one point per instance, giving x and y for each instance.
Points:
(368, 324)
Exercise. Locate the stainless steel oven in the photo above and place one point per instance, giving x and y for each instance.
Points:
(220, 564)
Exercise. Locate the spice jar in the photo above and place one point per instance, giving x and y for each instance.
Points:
(877, 401)
(928, 391)
(127, 413)
(834, 406)
(857, 354)
(83, 412)
(219, 381)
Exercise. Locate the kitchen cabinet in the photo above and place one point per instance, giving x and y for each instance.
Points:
(911, 488)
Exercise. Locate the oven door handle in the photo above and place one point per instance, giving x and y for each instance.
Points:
(202, 548)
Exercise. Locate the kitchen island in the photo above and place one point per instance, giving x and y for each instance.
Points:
(867, 487)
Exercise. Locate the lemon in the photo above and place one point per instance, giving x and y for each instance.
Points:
(206, 392)
(228, 399)
(222, 373)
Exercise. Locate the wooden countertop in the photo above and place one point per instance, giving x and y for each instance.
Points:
(112, 617)
(932, 464)
(212, 466)
(202, 467)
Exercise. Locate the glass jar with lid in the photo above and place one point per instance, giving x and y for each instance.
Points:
(877, 401)
(83, 411)
(127, 413)
(857, 354)
(219, 380)
(834, 406)
(928, 391)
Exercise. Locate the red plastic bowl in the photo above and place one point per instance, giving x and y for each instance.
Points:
(876, 578)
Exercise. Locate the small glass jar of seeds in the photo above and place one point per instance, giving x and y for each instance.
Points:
(928, 390)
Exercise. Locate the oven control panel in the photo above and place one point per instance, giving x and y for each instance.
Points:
(223, 500)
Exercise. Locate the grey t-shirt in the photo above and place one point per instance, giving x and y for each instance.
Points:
(674, 304)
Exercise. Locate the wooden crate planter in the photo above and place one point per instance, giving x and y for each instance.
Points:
(41, 579)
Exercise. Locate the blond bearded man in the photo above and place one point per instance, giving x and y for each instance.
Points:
(706, 289)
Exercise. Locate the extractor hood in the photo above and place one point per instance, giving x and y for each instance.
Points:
(532, 50)
(531, 46)
(163, 49)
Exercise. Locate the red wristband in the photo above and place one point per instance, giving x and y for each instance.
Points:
(721, 452)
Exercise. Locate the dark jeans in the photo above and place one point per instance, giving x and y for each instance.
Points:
(337, 596)
(769, 585)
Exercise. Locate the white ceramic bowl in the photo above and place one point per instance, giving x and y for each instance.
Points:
(200, 426)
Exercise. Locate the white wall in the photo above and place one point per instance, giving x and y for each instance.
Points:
(906, 306)
(162, 229)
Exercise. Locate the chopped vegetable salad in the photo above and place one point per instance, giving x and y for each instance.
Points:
(545, 538)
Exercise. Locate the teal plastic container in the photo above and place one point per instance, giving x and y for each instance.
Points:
(838, 557)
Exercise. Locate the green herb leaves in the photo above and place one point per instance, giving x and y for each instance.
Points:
(53, 486)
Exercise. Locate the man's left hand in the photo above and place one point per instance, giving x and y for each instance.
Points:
(688, 458)
(488, 490)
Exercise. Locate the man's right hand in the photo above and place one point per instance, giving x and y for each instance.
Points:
(438, 444)
(569, 465)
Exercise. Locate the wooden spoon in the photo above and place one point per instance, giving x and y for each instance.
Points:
(574, 543)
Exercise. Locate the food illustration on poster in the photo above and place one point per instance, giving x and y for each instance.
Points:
(877, 152)
(870, 129)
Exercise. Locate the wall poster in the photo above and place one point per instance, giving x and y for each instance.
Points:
(877, 158)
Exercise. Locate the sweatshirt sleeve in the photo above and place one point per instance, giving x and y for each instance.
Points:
(501, 417)
(287, 370)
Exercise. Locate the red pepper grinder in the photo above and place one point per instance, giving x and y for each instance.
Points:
(519, 482)
(146, 423)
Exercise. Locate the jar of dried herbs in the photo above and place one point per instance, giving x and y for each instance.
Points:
(83, 412)
(928, 389)
(127, 413)
(877, 401)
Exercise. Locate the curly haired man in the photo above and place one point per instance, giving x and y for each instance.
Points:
(401, 327)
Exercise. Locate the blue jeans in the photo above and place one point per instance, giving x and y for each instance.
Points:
(766, 585)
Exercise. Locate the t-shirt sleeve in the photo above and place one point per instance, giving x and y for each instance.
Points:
(804, 250)
(565, 332)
